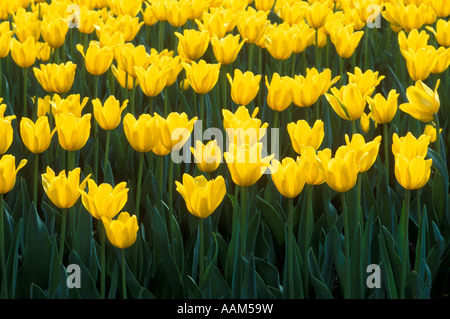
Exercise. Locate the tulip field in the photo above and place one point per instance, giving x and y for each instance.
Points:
(224, 149)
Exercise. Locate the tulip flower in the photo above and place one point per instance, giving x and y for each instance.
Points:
(88, 18)
(251, 24)
(302, 135)
(348, 101)
(313, 176)
(26, 24)
(423, 102)
(207, 157)
(409, 146)
(305, 91)
(71, 104)
(289, 176)
(415, 40)
(226, 49)
(431, 131)
(366, 153)
(279, 95)
(345, 40)
(241, 126)
(142, 134)
(54, 30)
(56, 78)
(442, 60)
(412, 173)
(5, 39)
(305, 37)
(36, 136)
(73, 132)
(441, 7)
(8, 172)
(6, 129)
(121, 232)
(193, 43)
(214, 23)
(384, 110)
(131, 57)
(44, 51)
(405, 17)
(177, 12)
(104, 200)
(202, 76)
(279, 42)
(366, 82)
(125, 80)
(171, 65)
(420, 63)
(24, 54)
(202, 197)
(125, 7)
(152, 80)
(316, 14)
(365, 120)
(244, 86)
(108, 115)
(292, 13)
(97, 59)
(442, 32)
(246, 163)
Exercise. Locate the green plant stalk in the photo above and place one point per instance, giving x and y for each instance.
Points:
(133, 96)
(293, 66)
(386, 150)
(201, 250)
(251, 50)
(243, 220)
(103, 261)
(438, 135)
(4, 291)
(25, 85)
(317, 51)
(166, 102)
(276, 119)
(170, 182)
(202, 107)
(63, 235)
(290, 248)
(35, 178)
(366, 48)
(124, 283)
(358, 201)
(96, 133)
(347, 292)
(1, 80)
(223, 86)
(139, 182)
(354, 130)
(161, 35)
(405, 248)
(308, 232)
(108, 139)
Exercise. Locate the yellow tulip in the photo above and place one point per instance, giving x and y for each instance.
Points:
(313, 176)
(246, 163)
(62, 189)
(409, 146)
(125, 80)
(44, 51)
(71, 104)
(177, 12)
(6, 129)
(108, 116)
(292, 13)
(56, 78)
(36, 136)
(430, 131)
(103, 200)
(173, 66)
(412, 173)
(159, 9)
(193, 43)
(302, 135)
(97, 59)
(202, 76)
(174, 132)
(251, 24)
(317, 13)
(383, 110)
(442, 60)
(24, 54)
(142, 134)
(226, 49)
(5, 39)
(340, 174)
(148, 16)
(202, 197)
(415, 40)
(289, 176)
(197, 8)
(305, 90)
(26, 24)
(241, 127)
(43, 105)
(420, 63)
(264, 5)
(279, 42)
(348, 101)
(345, 40)
(54, 31)
(214, 23)
(244, 86)
(73, 132)
(121, 232)
(366, 153)
(366, 82)
(405, 17)
(152, 80)
(207, 157)
(423, 102)
(279, 95)
(441, 7)
(88, 18)
(305, 37)
(125, 7)
(8, 172)
(131, 56)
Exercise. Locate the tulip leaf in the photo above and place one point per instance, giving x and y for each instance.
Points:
(88, 289)
(391, 288)
(36, 292)
(356, 279)
(321, 289)
(12, 261)
(249, 280)
(114, 279)
(440, 186)
(273, 219)
(419, 266)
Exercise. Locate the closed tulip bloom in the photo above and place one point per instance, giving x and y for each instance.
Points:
(142, 133)
(36, 136)
(442, 32)
(26, 24)
(152, 80)
(246, 163)
(121, 232)
(405, 17)
(174, 132)
(24, 54)
(202, 76)
(6, 129)
(62, 189)
(279, 42)
(44, 51)
(129, 26)
(173, 66)
(442, 60)
(131, 57)
(71, 104)
(366, 153)
(423, 102)
(197, 8)
(159, 9)
(412, 173)
(430, 131)
(251, 24)
(54, 31)
(8, 172)
(73, 132)
(305, 37)
(316, 14)
(366, 81)
(302, 135)
(226, 49)
(97, 59)
(264, 4)
(88, 18)
(384, 110)
(241, 126)
(56, 78)
(5, 39)
(108, 115)
(345, 40)
(323, 78)
(244, 86)
(292, 13)
(193, 43)
(420, 63)
(348, 101)
(409, 146)
(202, 197)
(415, 40)
(278, 92)
(289, 176)
(103, 200)
(177, 12)
(340, 174)
(207, 157)
(148, 16)
(125, 7)
(441, 7)
(214, 23)
(305, 91)
(313, 176)
(125, 80)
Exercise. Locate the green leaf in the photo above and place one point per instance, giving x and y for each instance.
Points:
(391, 288)
(88, 289)
(249, 281)
(321, 289)
(12, 261)
(273, 219)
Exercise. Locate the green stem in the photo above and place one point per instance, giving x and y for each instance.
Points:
(139, 182)
(108, 138)
(438, 135)
(223, 86)
(276, 119)
(201, 249)
(103, 261)
(405, 248)
(35, 178)
(347, 247)
(25, 85)
(202, 108)
(96, 132)
(293, 66)
(133, 96)
(63, 235)
(4, 290)
(161, 35)
(166, 102)
(366, 47)
(317, 51)
(386, 151)
(1, 80)
(251, 50)
(124, 285)
(243, 220)
(170, 182)
(290, 249)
